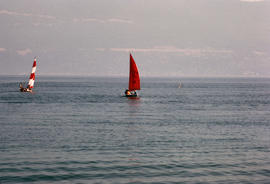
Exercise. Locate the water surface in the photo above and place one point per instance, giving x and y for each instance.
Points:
(81, 130)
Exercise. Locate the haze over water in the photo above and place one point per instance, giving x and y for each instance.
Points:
(81, 130)
(169, 38)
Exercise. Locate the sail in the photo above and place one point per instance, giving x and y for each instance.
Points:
(134, 78)
(32, 76)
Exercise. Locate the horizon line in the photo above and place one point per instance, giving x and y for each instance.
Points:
(122, 76)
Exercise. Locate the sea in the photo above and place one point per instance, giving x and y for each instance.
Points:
(82, 130)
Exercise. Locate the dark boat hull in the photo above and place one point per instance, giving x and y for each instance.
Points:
(133, 95)
(25, 90)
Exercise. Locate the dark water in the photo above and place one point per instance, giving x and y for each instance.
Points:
(80, 130)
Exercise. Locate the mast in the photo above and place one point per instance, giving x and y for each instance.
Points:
(32, 75)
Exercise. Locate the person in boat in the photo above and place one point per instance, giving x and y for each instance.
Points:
(28, 88)
(127, 92)
(130, 93)
(21, 87)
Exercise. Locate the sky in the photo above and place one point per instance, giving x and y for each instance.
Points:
(168, 38)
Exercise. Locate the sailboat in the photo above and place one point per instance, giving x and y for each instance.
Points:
(134, 79)
(180, 85)
(31, 82)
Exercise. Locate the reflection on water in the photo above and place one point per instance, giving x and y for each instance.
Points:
(133, 105)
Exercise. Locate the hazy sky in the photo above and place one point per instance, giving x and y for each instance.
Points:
(167, 37)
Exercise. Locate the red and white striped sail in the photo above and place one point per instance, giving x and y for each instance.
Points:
(32, 76)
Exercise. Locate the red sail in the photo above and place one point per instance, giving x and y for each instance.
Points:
(134, 78)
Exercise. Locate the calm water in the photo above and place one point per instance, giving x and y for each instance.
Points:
(80, 130)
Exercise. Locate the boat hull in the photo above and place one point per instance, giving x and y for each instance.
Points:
(132, 95)
(25, 90)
